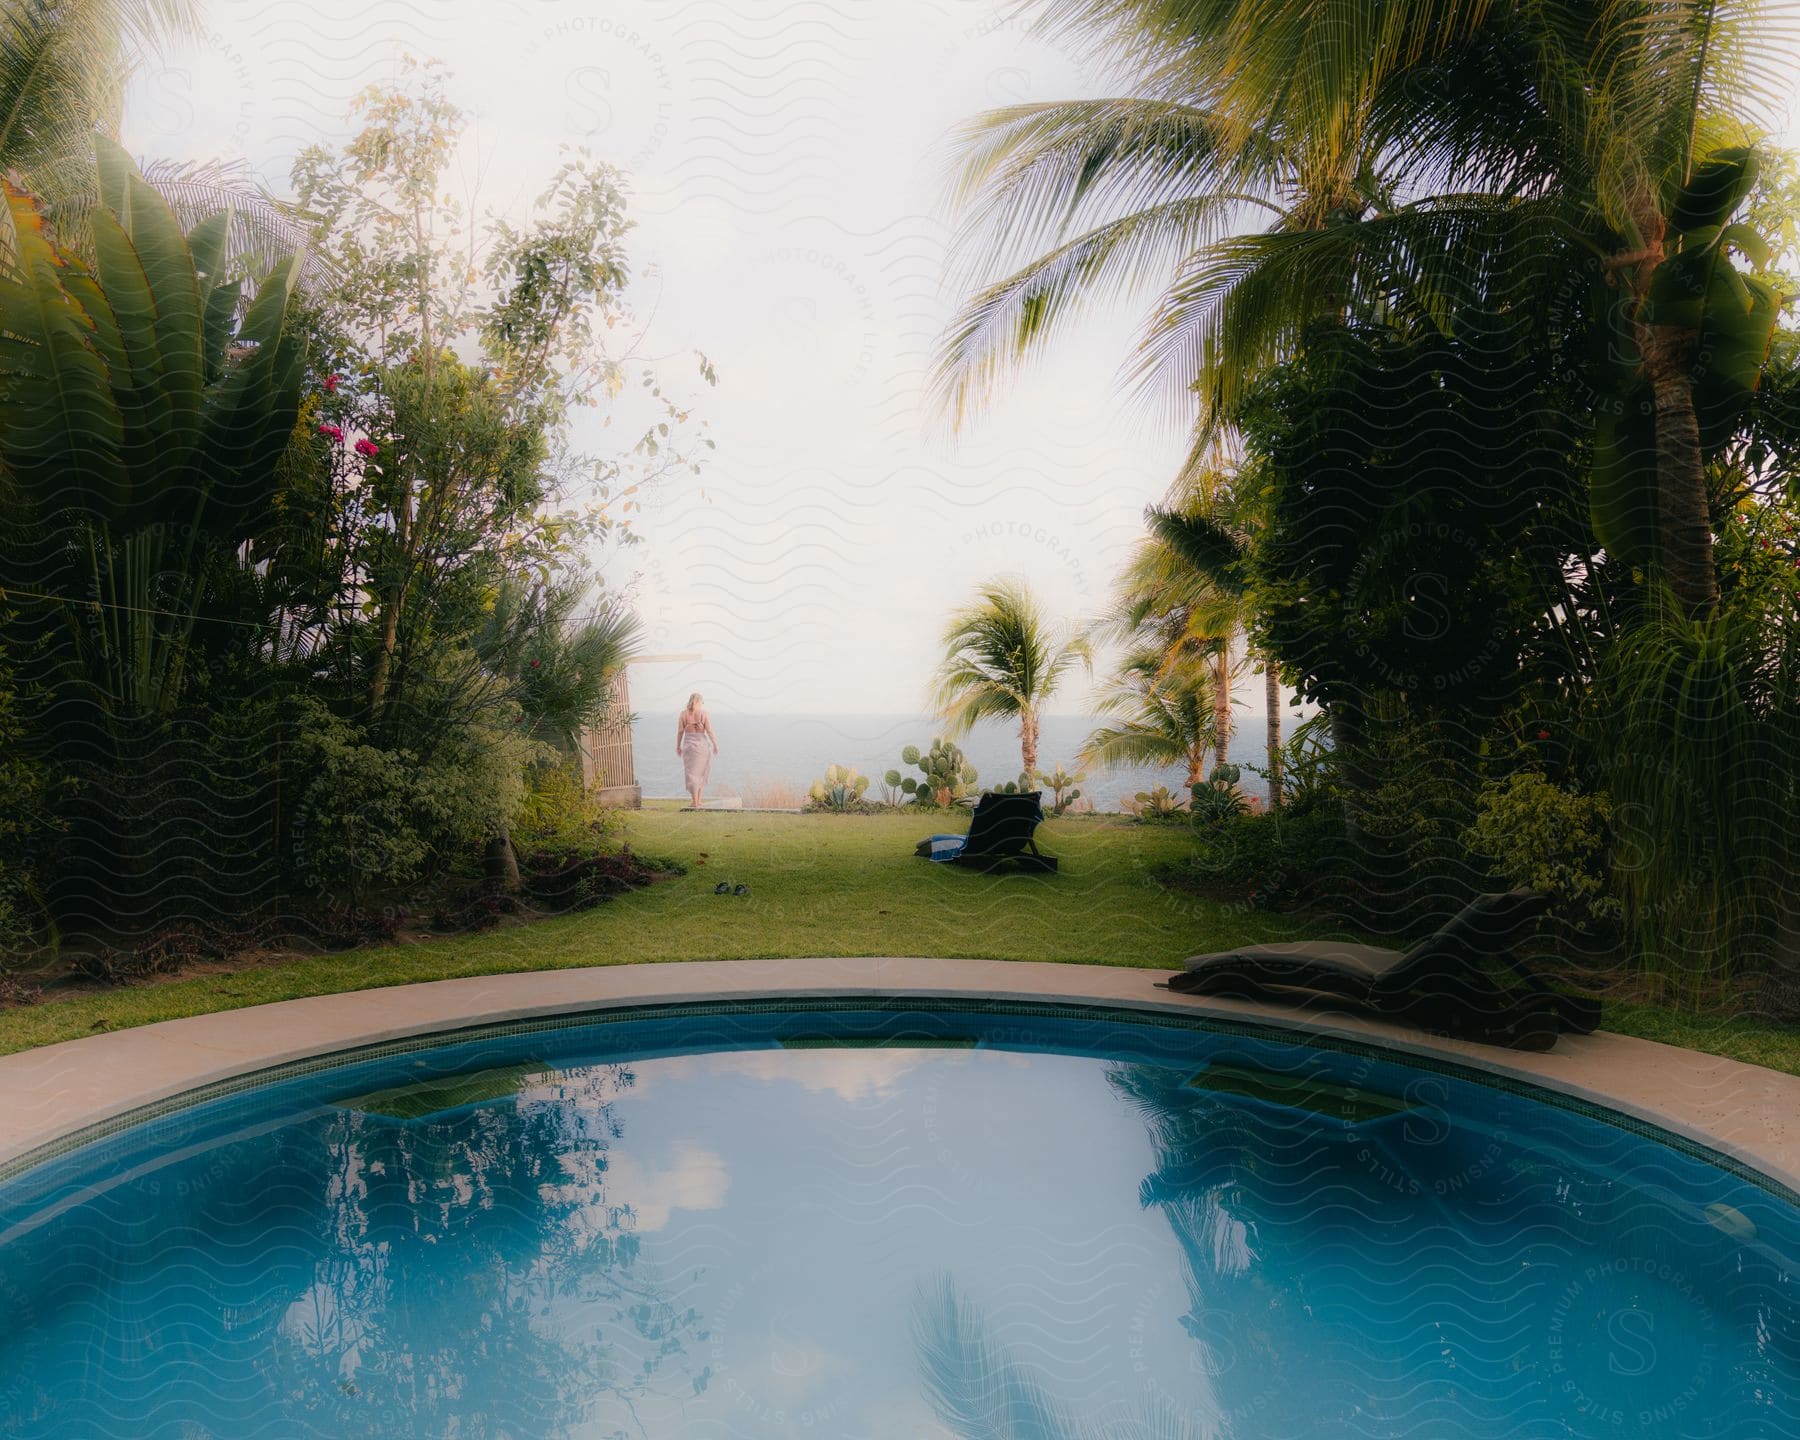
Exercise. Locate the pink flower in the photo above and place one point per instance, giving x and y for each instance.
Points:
(534, 664)
(333, 432)
(1543, 734)
(331, 384)
(368, 449)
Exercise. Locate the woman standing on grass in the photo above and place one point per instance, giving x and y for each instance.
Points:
(693, 733)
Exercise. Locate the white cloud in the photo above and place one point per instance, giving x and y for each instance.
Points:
(614, 1192)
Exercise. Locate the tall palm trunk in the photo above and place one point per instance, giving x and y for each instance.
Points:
(1684, 542)
(1196, 765)
(1028, 740)
(1683, 516)
(1272, 704)
(1221, 668)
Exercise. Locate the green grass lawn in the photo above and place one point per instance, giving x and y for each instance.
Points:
(819, 885)
(822, 885)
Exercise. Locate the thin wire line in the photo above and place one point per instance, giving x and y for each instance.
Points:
(10, 590)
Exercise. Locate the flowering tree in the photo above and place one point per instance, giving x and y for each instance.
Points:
(464, 352)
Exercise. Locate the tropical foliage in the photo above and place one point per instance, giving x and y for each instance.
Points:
(945, 777)
(299, 611)
(1474, 314)
(1166, 715)
(1003, 659)
(841, 790)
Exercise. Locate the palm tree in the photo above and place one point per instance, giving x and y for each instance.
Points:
(151, 425)
(1208, 548)
(1004, 660)
(1422, 153)
(63, 72)
(1166, 716)
(1067, 203)
(1168, 605)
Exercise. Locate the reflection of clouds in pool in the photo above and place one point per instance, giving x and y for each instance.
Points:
(625, 1194)
(852, 1075)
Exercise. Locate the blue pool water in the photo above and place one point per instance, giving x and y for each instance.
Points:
(891, 1224)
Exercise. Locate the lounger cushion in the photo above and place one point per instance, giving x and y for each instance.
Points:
(1368, 961)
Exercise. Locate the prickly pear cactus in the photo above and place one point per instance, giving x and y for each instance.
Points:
(841, 789)
(948, 775)
(1063, 787)
(1020, 786)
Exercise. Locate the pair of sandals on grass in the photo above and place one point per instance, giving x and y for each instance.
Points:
(725, 887)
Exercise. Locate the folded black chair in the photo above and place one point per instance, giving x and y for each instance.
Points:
(1000, 832)
(1447, 982)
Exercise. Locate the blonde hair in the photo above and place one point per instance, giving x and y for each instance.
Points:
(694, 702)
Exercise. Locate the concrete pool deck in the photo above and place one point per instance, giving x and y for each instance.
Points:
(1743, 1111)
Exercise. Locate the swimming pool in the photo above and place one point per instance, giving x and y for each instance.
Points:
(850, 1219)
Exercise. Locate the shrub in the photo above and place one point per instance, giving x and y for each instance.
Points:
(1309, 766)
(24, 790)
(1550, 839)
(1271, 861)
(1217, 798)
(357, 820)
(1161, 803)
(1062, 787)
(1407, 823)
(373, 817)
(558, 813)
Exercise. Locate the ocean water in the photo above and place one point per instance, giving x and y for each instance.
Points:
(795, 749)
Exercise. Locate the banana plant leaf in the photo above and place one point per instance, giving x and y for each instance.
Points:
(127, 392)
(139, 415)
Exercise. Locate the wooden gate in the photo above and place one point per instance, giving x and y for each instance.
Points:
(606, 763)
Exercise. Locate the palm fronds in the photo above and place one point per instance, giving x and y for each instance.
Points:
(1003, 658)
(63, 69)
(1167, 716)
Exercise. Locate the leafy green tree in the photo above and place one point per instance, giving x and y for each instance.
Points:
(1003, 661)
(470, 463)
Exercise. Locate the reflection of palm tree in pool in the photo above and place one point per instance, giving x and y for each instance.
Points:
(1387, 1275)
(1221, 1175)
(1240, 1186)
(980, 1392)
(502, 1340)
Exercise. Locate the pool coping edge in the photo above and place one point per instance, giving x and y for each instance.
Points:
(97, 1084)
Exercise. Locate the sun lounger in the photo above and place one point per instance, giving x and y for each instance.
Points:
(1466, 980)
(1000, 833)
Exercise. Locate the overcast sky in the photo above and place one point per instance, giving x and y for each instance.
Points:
(787, 159)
